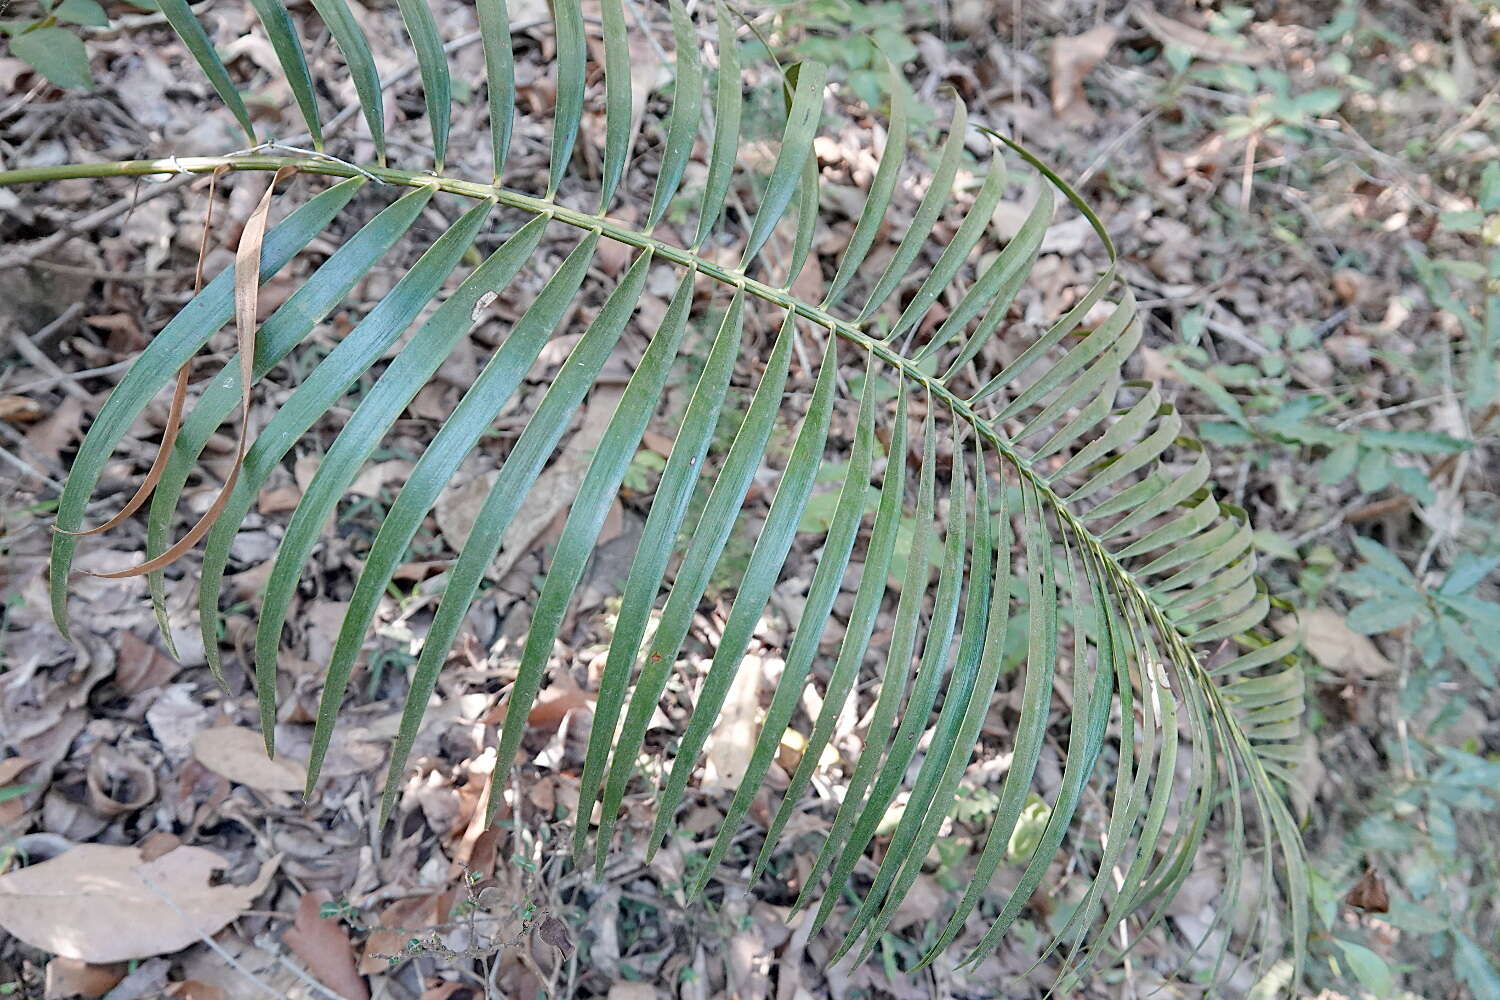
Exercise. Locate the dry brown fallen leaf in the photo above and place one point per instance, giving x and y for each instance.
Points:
(323, 945)
(1334, 645)
(1200, 43)
(239, 754)
(101, 904)
(68, 977)
(1072, 60)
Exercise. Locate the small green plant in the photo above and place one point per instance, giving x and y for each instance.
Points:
(47, 42)
(1447, 620)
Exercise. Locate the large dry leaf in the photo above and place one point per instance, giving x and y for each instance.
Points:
(101, 904)
(323, 945)
(1199, 43)
(1336, 646)
(1072, 60)
(732, 740)
(239, 754)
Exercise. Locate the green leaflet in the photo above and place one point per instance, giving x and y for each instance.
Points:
(354, 354)
(182, 20)
(275, 339)
(893, 676)
(178, 341)
(931, 795)
(673, 494)
(687, 108)
(440, 462)
(499, 75)
(517, 474)
(355, 48)
(282, 34)
(939, 190)
(432, 63)
(377, 410)
(936, 658)
(703, 550)
(567, 16)
(600, 485)
(792, 158)
(821, 593)
(872, 586)
(766, 560)
(729, 103)
(616, 100)
(881, 188)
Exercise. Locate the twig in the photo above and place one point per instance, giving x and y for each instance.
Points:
(33, 355)
(213, 945)
(29, 469)
(64, 377)
(89, 223)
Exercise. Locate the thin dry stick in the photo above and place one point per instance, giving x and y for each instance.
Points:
(33, 355)
(213, 945)
(89, 223)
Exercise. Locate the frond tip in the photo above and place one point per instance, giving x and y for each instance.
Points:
(1016, 517)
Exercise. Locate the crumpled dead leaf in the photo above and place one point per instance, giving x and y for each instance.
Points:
(1334, 645)
(68, 977)
(239, 754)
(323, 945)
(1199, 43)
(1073, 59)
(101, 904)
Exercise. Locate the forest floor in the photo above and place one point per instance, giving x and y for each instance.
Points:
(1299, 197)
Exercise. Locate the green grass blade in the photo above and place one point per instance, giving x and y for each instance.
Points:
(359, 349)
(517, 475)
(838, 546)
(379, 406)
(893, 676)
(867, 601)
(707, 542)
(729, 106)
(669, 506)
(872, 216)
(938, 192)
(308, 306)
(761, 573)
(796, 147)
(439, 463)
(173, 346)
(432, 63)
(282, 33)
(682, 123)
(355, 48)
(572, 55)
(499, 75)
(201, 47)
(616, 100)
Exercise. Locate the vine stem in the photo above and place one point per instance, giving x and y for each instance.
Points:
(848, 331)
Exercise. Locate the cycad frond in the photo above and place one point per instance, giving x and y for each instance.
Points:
(1067, 492)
